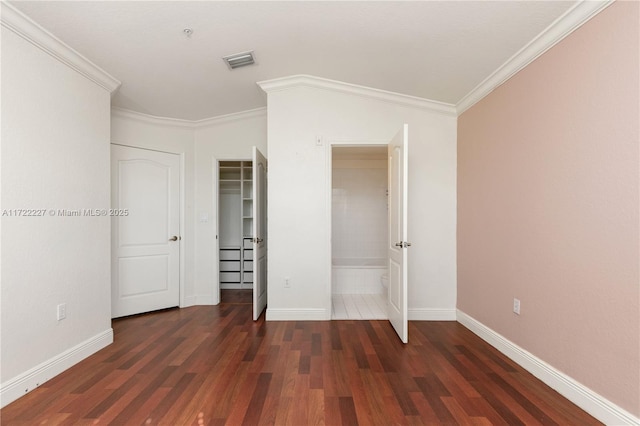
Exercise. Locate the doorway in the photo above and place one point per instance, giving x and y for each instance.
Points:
(242, 240)
(145, 230)
(235, 222)
(350, 234)
(359, 239)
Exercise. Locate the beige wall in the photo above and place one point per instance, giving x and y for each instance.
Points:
(548, 207)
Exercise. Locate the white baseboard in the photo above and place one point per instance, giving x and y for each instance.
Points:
(591, 402)
(297, 314)
(205, 299)
(198, 300)
(189, 301)
(432, 314)
(422, 314)
(31, 379)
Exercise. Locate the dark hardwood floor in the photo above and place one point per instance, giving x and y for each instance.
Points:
(212, 365)
(236, 296)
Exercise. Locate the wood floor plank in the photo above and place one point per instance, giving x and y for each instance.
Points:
(142, 414)
(272, 400)
(256, 404)
(284, 410)
(332, 410)
(348, 411)
(433, 392)
(299, 410)
(316, 376)
(359, 394)
(52, 412)
(425, 409)
(228, 391)
(401, 387)
(316, 407)
(334, 375)
(213, 365)
(170, 406)
(382, 401)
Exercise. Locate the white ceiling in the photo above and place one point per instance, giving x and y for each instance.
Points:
(438, 50)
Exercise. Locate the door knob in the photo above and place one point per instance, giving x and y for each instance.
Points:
(403, 244)
(174, 238)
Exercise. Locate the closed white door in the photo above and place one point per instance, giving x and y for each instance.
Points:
(145, 249)
(259, 233)
(398, 200)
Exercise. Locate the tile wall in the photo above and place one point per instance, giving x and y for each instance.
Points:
(359, 213)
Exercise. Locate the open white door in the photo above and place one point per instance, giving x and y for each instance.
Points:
(259, 233)
(145, 230)
(398, 179)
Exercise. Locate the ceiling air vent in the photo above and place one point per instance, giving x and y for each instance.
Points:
(239, 59)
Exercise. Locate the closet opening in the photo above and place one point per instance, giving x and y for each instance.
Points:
(359, 227)
(235, 223)
(242, 231)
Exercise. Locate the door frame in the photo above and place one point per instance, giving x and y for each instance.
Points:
(329, 203)
(181, 154)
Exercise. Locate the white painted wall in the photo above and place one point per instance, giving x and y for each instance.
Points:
(201, 144)
(299, 219)
(54, 155)
(174, 136)
(226, 138)
(298, 201)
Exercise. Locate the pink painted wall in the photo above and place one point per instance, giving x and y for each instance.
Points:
(548, 207)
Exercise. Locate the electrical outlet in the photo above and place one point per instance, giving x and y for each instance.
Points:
(62, 311)
(516, 306)
(287, 283)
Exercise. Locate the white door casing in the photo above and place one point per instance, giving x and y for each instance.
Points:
(259, 233)
(397, 251)
(145, 247)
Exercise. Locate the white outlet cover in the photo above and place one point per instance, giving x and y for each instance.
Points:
(62, 311)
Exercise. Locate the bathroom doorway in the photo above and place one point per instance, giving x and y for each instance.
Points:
(359, 237)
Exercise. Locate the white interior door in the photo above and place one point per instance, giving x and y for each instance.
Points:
(145, 249)
(259, 233)
(398, 179)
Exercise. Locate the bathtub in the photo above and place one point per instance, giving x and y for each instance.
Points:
(358, 275)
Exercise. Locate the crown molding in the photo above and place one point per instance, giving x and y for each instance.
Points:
(17, 22)
(353, 89)
(571, 20)
(234, 116)
(150, 119)
(191, 124)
